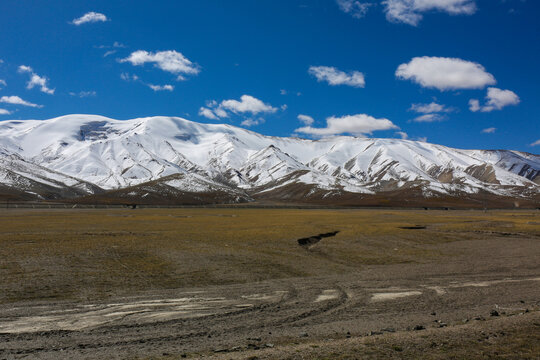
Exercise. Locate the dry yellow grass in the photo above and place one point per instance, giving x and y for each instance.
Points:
(93, 254)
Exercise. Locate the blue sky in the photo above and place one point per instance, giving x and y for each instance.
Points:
(461, 73)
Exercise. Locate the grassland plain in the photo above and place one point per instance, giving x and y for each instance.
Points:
(463, 262)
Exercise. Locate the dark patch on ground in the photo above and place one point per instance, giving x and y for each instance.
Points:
(415, 227)
(312, 240)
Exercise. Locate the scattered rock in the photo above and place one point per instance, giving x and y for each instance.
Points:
(304, 334)
(390, 330)
(254, 339)
(494, 313)
(433, 313)
(419, 327)
(269, 345)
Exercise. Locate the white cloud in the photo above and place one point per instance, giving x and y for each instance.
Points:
(3, 82)
(247, 104)
(4, 112)
(445, 73)
(536, 143)
(166, 87)
(334, 77)
(474, 105)
(36, 80)
(110, 52)
(496, 100)
(220, 112)
(403, 135)
(207, 113)
(359, 125)
(429, 108)
(410, 11)
(252, 122)
(169, 61)
(356, 9)
(283, 92)
(129, 77)
(90, 17)
(306, 119)
(429, 118)
(490, 130)
(15, 100)
(83, 94)
(422, 139)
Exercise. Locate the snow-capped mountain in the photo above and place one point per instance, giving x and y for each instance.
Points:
(88, 154)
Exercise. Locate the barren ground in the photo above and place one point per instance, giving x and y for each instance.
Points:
(234, 284)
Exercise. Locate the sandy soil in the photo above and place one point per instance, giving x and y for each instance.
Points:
(480, 298)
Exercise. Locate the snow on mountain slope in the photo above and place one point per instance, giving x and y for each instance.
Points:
(35, 180)
(114, 154)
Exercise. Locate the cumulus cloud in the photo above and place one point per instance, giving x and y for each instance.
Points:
(306, 119)
(411, 11)
(536, 143)
(496, 99)
(490, 130)
(15, 100)
(170, 61)
(90, 17)
(166, 87)
(357, 9)
(83, 94)
(4, 112)
(252, 122)
(403, 135)
(429, 108)
(445, 73)
(474, 105)
(207, 113)
(247, 104)
(334, 77)
(358, 125)
(429, 118)
(36, 80)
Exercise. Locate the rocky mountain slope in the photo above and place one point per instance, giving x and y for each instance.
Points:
(173, 160)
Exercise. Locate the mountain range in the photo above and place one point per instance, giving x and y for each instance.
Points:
(171, 160)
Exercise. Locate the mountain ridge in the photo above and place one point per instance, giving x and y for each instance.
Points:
(92, 154)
